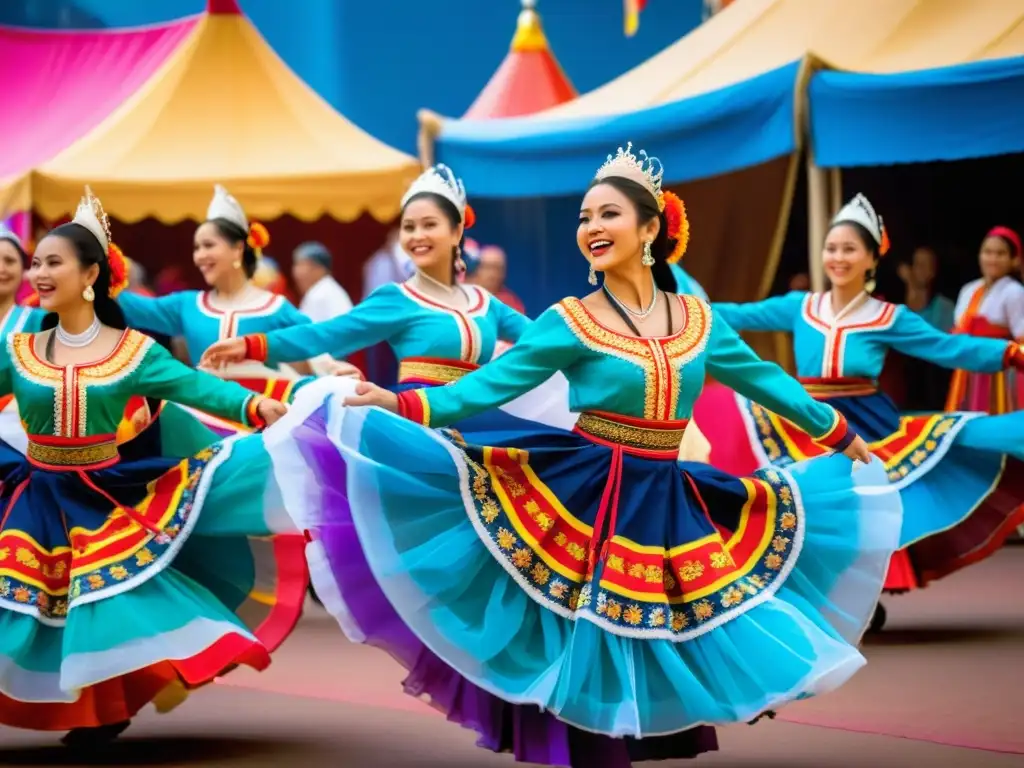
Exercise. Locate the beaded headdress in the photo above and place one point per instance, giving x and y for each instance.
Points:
(7, 234)
(440, 180)
(860, 211)
(90, 214)
(648, 172)
(224, 206)
(645, 170)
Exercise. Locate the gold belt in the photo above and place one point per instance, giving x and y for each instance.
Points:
(433, 370)
(632, 433)
(825, 389)
(77, 453)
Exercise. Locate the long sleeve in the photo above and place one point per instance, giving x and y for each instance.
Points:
(161, 314)
(778, 313)
(736, 365)
(546, 347)
(511, 324)
(163, 377)
(914, 336)
(370, 322)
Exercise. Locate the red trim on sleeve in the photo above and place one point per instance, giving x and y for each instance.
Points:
(413, 405)
(836, 435)
(256, 347)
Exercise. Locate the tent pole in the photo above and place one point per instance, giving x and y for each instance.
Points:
(835, 180)
(817, 221)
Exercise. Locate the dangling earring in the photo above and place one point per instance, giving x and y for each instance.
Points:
(88, 293)
(648, 257)
(869, 284)
(592, 279)
(460, 265)
(236, 264)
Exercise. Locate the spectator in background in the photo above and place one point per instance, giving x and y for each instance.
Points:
(919, 275)
(323, 298)
(800, 282)
(490, 275)
(388, 265)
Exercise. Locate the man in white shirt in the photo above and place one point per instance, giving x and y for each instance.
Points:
(388, 265)
(323, 297)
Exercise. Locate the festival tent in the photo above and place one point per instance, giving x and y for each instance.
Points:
(225, 109)
(529, 79)
(725, 108)
(57, 86)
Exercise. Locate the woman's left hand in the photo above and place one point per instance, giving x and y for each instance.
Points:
(858, 451)
(370, 394)
(271, 410)
(341, 368)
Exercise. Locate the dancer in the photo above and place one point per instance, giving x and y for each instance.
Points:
(583, 589)
(227, 250)
(991, 307)
(959, 475)
(438, 328)
(125, 576)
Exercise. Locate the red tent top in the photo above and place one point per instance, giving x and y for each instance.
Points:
(530, 78)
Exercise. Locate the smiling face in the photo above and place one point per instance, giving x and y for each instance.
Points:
(57, 274)
(846, 255)
(214, 254)
(610, 233)
(428, 234)
(12, 269)
(996, 258)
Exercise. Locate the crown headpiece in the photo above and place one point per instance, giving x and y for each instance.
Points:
(224, 206)
(6, 233)
(90, 214)
(860, 211)
(440, 180)
(645, 170)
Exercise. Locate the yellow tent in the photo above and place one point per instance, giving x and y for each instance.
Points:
(225, 109)
(744, 212)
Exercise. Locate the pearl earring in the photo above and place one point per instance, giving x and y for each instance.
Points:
(592, 279)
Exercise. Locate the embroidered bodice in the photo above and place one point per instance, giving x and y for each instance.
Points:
(854, 343)
(647, 378)
(1001, 305)
(21, 320)
(201, 320)
(412, 324)
(89, 399)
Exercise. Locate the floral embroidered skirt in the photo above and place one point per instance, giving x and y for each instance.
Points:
(132, 584)
(698, 598)
(961, 475)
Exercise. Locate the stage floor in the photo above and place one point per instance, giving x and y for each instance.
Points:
(944, 687)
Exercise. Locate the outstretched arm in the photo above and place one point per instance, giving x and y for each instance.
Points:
(913, 336)
(546, 347)
(156, 314)
(736, 365)
(778, 313)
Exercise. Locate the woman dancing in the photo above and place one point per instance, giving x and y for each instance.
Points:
(125, 578)
(439, 328)
(583, 590)
(991, 307)
(959, 475)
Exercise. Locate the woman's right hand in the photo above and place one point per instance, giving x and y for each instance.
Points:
(368, 393)
(222, 353)
(858, 451)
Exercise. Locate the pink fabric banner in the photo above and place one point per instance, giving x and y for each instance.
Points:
(57, 86)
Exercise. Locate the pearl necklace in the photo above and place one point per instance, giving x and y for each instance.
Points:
(77, 340)
(640, 314)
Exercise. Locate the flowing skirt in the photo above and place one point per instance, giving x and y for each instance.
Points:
(961, 475)
(718, 597)
(136, 583)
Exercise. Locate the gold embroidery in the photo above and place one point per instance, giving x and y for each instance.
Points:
(661, 360)
(631, 435)
(70, 456)
(419, 370)
(69, 383)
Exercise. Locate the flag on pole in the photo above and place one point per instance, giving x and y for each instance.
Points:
(632, 15)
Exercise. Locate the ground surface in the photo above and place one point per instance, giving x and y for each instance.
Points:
(944, 687)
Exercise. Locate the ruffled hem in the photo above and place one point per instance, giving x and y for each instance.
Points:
(463, 605)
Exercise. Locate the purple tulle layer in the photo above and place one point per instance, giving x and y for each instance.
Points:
(527, 732)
